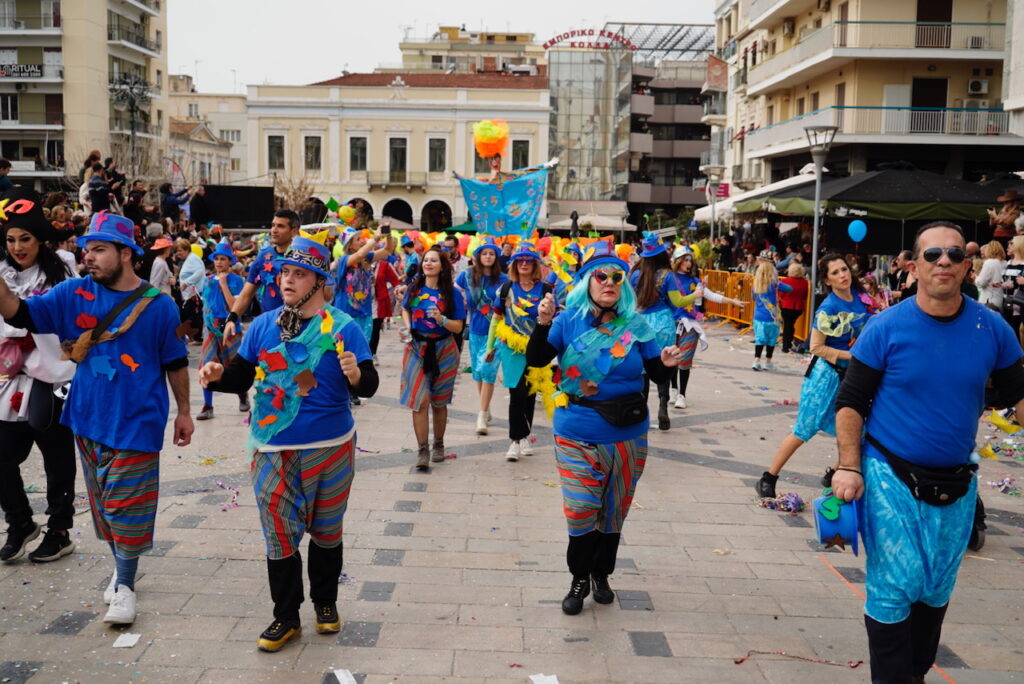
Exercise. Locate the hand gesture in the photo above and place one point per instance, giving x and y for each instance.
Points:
(211, 372)
(350, 367)
(847, 485)
(183, 429)
(436, 314)
(229, 329)
(489, 356)
(546, 309)
(670, 356)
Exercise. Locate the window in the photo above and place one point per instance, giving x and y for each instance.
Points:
(193, 110)
(232, 135)
(357, 154)
(815, 100)
(480, 165)
(236, 164)
(9, 56)
(438, 153)
(275, 152)
(312, 152)
(800, 106)
(397, 149)
(520, 154)
(8, 107)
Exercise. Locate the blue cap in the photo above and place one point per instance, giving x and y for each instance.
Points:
(487, 242)
(601, 253)
(223, 249)
(652, 245)
(308, 254)
(525, 250)
(112, 228)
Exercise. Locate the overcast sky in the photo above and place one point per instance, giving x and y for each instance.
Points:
(227, 44)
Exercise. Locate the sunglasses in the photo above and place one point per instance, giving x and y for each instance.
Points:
(955, 254)
(616, 277)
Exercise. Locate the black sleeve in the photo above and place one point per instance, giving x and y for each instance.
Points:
(859, 387)
(22, 318)
(368, 380)
(539, 351)
(237, 378)
(657, 371)
(176, 364)
(1009, 384)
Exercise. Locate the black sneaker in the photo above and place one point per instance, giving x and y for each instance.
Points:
(355, 401)
(602, 591)
(206, 413)
(572, 604)
(327, 620)
(278, 634)
(765, 487)
(243, 403)
(17, 539)
(977, 540)
(55, 545)
(826, 479)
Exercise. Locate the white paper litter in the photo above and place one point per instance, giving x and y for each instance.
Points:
(126, 640)
(344, 677)
(543, 679)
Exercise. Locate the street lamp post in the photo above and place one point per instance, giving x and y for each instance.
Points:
(130, 93)
(820, 140)
(714, 174)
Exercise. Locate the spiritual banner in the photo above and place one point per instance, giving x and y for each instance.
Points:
(509, 207)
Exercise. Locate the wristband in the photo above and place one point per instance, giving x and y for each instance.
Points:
(232, 317)
(852, 470)
(444, 321)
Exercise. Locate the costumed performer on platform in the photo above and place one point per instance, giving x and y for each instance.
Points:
(601, 419)
(306, 358)
(767, 318)
(219, 292)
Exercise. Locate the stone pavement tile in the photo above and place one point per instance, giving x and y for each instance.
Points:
(986, 656)
(484, 561)
(231, 606)
(850, 607)
(113, 668)
(661, 621)
(436, 578)
(462, 637)
(722, 605)
(242, 570)
(729, 646)
(768, 587)
(170, 565)
(18, 671)
(819, 632)
(544, 639)
(217, 654)
(552, 533)
(219, 676)
(771, 571)
(983, 677)
(677, 671)
(69, 622)
(419, 543)
(416, 592)
(421, 679)
(162, 626)
(405, 612)
(223, 586)
(535, 615)
(411, 661)
(780, 670)
(535, 550)
(54, 648)
(514, 578)
(581, 666)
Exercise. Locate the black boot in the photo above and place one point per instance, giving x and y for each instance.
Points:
(977, 540)
(663, 422)
(324, 568)
(285, 577)
(602, 590)
(925, 630)
(765, 487)
(605, 552)
(891, 649)
(572, 604)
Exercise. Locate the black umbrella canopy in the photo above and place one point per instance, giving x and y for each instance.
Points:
(897, 186)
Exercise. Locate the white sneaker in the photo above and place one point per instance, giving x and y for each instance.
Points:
(122, 607)
(514, 452)
(673, 395)
(769, 366)
(108, 593)
(525, 446)
(488, 415)
(680, 402)
(481, 423)
(756, 365)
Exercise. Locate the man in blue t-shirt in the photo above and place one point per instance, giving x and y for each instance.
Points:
(264, 269)
(913, 393)
(117, 406)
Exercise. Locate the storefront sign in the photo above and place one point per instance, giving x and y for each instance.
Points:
(21, 70)
(591, 39)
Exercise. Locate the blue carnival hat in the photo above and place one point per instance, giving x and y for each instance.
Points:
(487, 242)
(525, 250)
(652, 245)
(601, 253)
(406, 241)
(308, 254)
(224, 249)
(574, 248)
(835, 521)
(112, 228)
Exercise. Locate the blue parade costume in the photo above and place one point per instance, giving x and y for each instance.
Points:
(480, 301)
(354, 293)
(766, 314)
(263, 272)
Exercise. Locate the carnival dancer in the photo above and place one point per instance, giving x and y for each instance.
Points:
(480, 284)
(29, 410)
(657, 299)
(837, 323)
(906, 424)
(385, 284)
(353, 275)
(306, 358)
(433, 313)
(121, 332)
(601, 420)
(767, 319)
(515, 315)
(689, 331)
(563, 272)
(219, 292)
(410, 259)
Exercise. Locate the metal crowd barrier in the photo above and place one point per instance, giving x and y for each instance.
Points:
(737, 286)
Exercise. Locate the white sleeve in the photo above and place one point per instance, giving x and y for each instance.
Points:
(713, 296)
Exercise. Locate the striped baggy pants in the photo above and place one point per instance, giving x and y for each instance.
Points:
(598, 482)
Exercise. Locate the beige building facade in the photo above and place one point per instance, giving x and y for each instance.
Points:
(202, 157)
(454, 49)
(225, 116)
(393, 140)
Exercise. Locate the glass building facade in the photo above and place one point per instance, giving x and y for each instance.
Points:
(590, 123)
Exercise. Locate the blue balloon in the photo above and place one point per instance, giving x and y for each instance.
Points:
(857, 230)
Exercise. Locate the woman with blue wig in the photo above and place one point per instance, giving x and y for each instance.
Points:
(603, 346)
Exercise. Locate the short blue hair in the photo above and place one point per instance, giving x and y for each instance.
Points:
(579, 299)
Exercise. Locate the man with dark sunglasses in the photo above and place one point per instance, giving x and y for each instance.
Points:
(906, 422)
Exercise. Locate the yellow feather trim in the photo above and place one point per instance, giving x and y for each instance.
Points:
(513, 340)
(541, 381)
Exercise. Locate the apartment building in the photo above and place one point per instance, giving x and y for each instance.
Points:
(1013, 69)
(77, 76)
(454, 49)
(224, 116)
(915, 81)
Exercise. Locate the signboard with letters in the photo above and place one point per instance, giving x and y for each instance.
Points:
(21, 70)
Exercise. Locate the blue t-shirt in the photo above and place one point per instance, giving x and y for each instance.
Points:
(119, 394)
(932, 390)
(480, 299)
(526, 300)
(841, 321)
(585, 424)
(354, 285)
(667, 285)
(686, 284)
(766, 304)
(420, 305)
(213, 295)
(263, 272)
(325, 412)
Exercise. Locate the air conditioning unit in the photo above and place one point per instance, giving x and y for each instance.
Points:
(977, 86)
(976, 42)
(976, 104)
(788, 26)
(824, 5)
(21, 86)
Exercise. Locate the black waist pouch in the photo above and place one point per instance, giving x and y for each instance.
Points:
(935, 486)
(620, 411)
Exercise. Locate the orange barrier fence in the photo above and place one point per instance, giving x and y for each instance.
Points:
(737, 286)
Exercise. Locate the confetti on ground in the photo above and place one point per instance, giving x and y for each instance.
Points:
(1005, 486)
(543, 679)
(852, 664)
(450, 456)
(722, 552)
(32, 489)
(369, 451)
(344, 578)
(789, 503)
(234, 496)
(549, 483)
(126, 640)
(787, 402)
(209, 460)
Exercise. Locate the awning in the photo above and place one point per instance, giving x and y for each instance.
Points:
(596, 221)
(725, 208)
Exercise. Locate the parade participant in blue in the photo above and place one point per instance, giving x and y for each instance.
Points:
(906, 423)
(263, 271)
(480, 284)
(837, 323)
(31, 367)
(306, 358)
(122, 333)
(219, 292)
(767, 318)
(515, 316)
(563, 272)
(601, 421)
(433, 314)
(689, 331)
(657, 298)
(410, 259)
(353, 274)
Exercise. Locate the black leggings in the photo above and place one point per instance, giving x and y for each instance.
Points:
(520, 410)
(681, 380)
(769, 350)
(378, 323)
(789, 317)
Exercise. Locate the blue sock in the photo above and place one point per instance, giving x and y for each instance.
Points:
(125, 569)
(207, 397)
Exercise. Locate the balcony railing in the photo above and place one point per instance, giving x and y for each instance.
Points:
(901, 121)
(121, 79)
(712, 157)
(714, 106)
(407, 178)
(34, 119)
(30, 22)
(727, 51)
(126, 35)
(141, 127)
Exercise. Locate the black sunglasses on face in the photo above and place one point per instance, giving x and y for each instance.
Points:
(955, 254)
(616, 277)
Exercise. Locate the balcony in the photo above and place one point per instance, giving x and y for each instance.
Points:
(639, 193)
(34, 121)
(764, 12)
(30, 23)
(120, 79)
(677, 194)
(711, 157)
(34, 73)
(835, 44)
(679, 149)
(713, 111)
(133, 39)
(682, 114)
(409, 179)
(641, 105)
(641, 143)
(150, 7)
(887, 125)
(145, 129)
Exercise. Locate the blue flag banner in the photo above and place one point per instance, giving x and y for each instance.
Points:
(507, 208)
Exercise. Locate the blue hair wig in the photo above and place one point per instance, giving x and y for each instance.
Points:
(579, 300)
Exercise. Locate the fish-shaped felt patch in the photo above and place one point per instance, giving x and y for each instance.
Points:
(518, 311)
(264, 422)
(617, 350)
(127, 360)
(604, 362)
(277, 401)
(327, 323)
(339, 347)
(100, 365)
(297, 351)
(359, 296)
(260, 374)
(306, 381)
(275, 360)
(573, 372)
(85, 294)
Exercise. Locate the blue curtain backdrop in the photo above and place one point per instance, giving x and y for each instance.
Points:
(507, 208)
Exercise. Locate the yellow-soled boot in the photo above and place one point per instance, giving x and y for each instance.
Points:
(277, 635)
(327, 620)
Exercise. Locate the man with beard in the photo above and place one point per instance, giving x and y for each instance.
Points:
(122, 333)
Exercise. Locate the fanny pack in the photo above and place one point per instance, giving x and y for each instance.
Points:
(935, 486)
(620, 411)
(814, 359)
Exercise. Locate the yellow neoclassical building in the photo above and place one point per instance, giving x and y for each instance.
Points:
(393, 139)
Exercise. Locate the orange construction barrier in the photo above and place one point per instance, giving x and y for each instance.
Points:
(737, 286)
